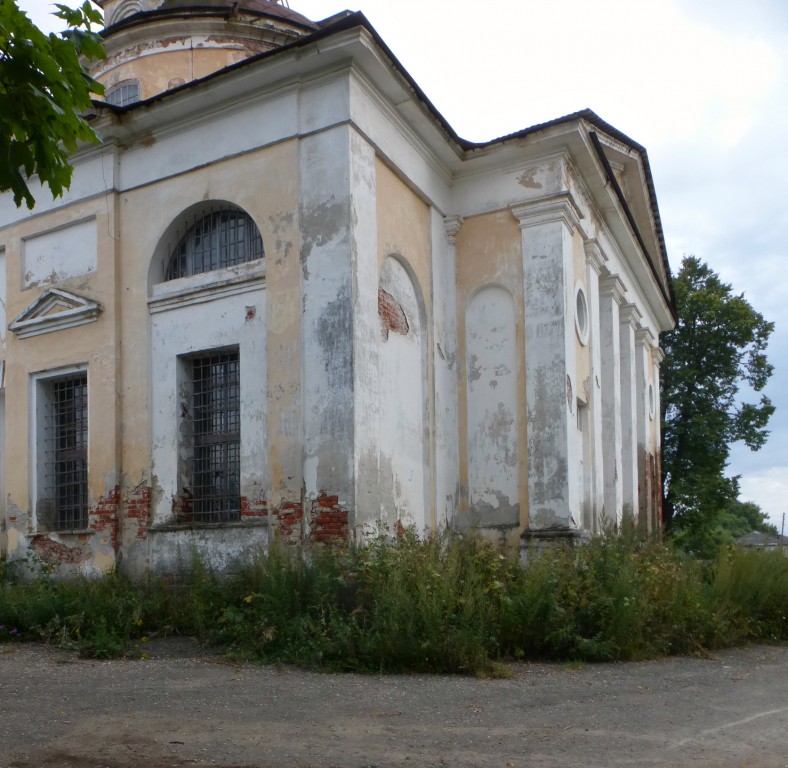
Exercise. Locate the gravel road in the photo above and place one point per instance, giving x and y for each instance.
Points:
(182, 708)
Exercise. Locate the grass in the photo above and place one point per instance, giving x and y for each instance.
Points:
(438, 605)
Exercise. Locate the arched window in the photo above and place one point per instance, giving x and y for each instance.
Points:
(218, 239)
(124, 93)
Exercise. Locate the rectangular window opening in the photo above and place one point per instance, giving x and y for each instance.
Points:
(63, 495)
(216, 430)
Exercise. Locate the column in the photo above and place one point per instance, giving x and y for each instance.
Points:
(595, 268)
(628, 323)
(657, 356)
(327, 333)
(444, 293)
(547, 225)
(644, 341)
(611, 296)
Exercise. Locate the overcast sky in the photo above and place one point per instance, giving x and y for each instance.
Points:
(702, 84)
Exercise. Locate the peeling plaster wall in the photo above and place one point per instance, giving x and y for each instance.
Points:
(55, 256)
(445, 364)
(403, 437)
(404, 367)
(264, 322)
(94, 346)
(368, 331)
(327, 364)
(493, 445)
(489, 258)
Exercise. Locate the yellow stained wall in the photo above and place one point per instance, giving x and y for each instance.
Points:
(582, 351)
(161, 71)
(489, 251)
(265, 185)
(403, 226)
(93, 344)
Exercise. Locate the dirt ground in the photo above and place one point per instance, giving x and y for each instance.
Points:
(181, 708)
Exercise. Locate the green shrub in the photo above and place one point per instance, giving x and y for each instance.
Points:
(440, 604)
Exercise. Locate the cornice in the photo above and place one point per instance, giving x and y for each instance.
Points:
(452, 224)
(54, 310)
(645, 337)
(629, 314)
(560, 207)
(613, 287)
(596, 258)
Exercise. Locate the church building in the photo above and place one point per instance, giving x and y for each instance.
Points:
(283, 297)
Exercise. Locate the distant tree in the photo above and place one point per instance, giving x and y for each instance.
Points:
(43, 91)
(715, 355)
(743, 517)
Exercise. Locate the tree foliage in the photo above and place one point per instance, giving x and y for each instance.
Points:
(715, 357)
(43, 90)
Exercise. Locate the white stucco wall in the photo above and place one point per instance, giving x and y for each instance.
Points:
(183, 329)
(493, 446)
(403, 434)
(58, 255)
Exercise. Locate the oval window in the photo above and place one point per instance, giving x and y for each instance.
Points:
(581, 314)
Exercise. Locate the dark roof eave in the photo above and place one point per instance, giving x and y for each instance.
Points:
(666, 290)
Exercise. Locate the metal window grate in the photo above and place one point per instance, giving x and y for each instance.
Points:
(216, 473)
(216, 240)
(67, 451)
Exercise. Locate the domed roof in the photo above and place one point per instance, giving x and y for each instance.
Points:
(264, 7)
(154, 46)
(134, 11)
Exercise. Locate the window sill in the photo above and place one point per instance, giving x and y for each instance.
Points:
(207, 286)
(66, 532)
(253, 522)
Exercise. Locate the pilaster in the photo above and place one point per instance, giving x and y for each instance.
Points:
(611, 296)
(596, 268)
(444, 231)
(629, 317)
(547, 227)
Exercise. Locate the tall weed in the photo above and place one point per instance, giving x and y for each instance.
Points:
(439, 604)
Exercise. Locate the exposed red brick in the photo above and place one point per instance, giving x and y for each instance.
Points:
(288, 521)
(657, 485)
(329, 521)
(138, 509)
(392, 316)
(55, 552)
(254, 508)
(103, 516)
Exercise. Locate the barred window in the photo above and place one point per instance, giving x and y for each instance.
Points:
(219, 239)
(123, 94)
(63, 503)
(216, 427)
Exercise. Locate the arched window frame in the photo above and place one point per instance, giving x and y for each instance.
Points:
(123, 93)
(216, 239)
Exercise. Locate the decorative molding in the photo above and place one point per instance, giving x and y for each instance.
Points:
(560, 207)
(608, 141)
(658, 355)
(613, 287)
(55, 310)
(645, 337)
(596, 258)
(207, 286)
(629, 314)
(453, 224)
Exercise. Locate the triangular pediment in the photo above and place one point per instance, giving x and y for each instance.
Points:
(55, 310)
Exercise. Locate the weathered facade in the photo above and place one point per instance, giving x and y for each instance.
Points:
(283, 297)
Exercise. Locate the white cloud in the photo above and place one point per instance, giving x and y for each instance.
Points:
(769, 490)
